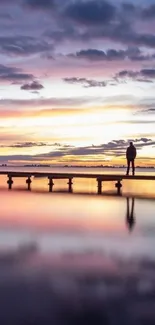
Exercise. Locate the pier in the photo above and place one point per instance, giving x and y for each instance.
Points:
(69, 177)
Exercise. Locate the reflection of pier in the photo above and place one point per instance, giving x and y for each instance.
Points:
(130, 218)
(70, 176)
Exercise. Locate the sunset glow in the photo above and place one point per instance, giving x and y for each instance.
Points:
(77, 81)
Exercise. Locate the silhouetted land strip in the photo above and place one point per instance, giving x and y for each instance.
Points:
(100, 178)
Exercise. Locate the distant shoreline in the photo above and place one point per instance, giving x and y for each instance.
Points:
(71, 166)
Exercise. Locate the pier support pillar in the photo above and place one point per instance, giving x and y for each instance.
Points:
(99, 186)
(51, 184)
(70, 183)
(28, 182)
(118, 185)
(10, 182)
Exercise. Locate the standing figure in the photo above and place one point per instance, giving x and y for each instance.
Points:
(130, 156)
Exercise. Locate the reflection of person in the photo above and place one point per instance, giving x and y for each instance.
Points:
(130, 156)
(130, 218)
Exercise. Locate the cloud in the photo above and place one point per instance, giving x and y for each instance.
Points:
(66, 105)
(90, 20)
(122, 31)
(98, 55)
(128, 7)
(86, 83)
(20, 145)
(35, 85)
(40, 4)
(118, 32)
(53, 102)
(90, 12)
(27, 145)
(5, 16)
(132, 53)
(13, 74)
(7, 2)
(148, 12)
(144, 75)
(148, 73)
(23, 45)
(93, 19)
(114, 148)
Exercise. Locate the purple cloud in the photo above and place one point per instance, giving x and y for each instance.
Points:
(35, 85)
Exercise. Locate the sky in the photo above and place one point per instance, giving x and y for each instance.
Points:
(77, 81)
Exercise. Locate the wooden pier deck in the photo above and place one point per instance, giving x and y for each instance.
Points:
(100, 178)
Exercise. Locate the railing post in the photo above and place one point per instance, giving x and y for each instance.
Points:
(28, 182)
(99, 185)
(10, 182)
(51, 184)
(70, 183)
(118, 185)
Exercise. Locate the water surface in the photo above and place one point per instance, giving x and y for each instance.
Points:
(76, 259)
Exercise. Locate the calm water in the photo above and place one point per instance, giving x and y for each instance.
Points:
(77, 258)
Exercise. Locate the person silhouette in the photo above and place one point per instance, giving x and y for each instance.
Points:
(130, 218)
(130, 156)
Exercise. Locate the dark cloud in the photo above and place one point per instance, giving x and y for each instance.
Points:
(28, 145)
(148, 12)
(99, 20)
(35, 85)
(8, 2)
(37, 144)
(90, 12)
(23, 45)
(145, 11)
(93, 19)
(13, 74)
(115, 148)
(123, 31)
(133, 54)
(5, 16)
(127, 73)
(86, 83)
(144, 75)
(149, 110)
(40, 4)
(143, 39)
(145, 140)
(150, 73)
(115, 54)
(118, 31)
(112, 148)
(128, 7)
(98, 55)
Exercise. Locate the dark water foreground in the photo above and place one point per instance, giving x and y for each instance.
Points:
(121, 293)
(70, 259)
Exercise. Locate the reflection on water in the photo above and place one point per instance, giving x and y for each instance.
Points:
(76, 259)
(130, 217)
